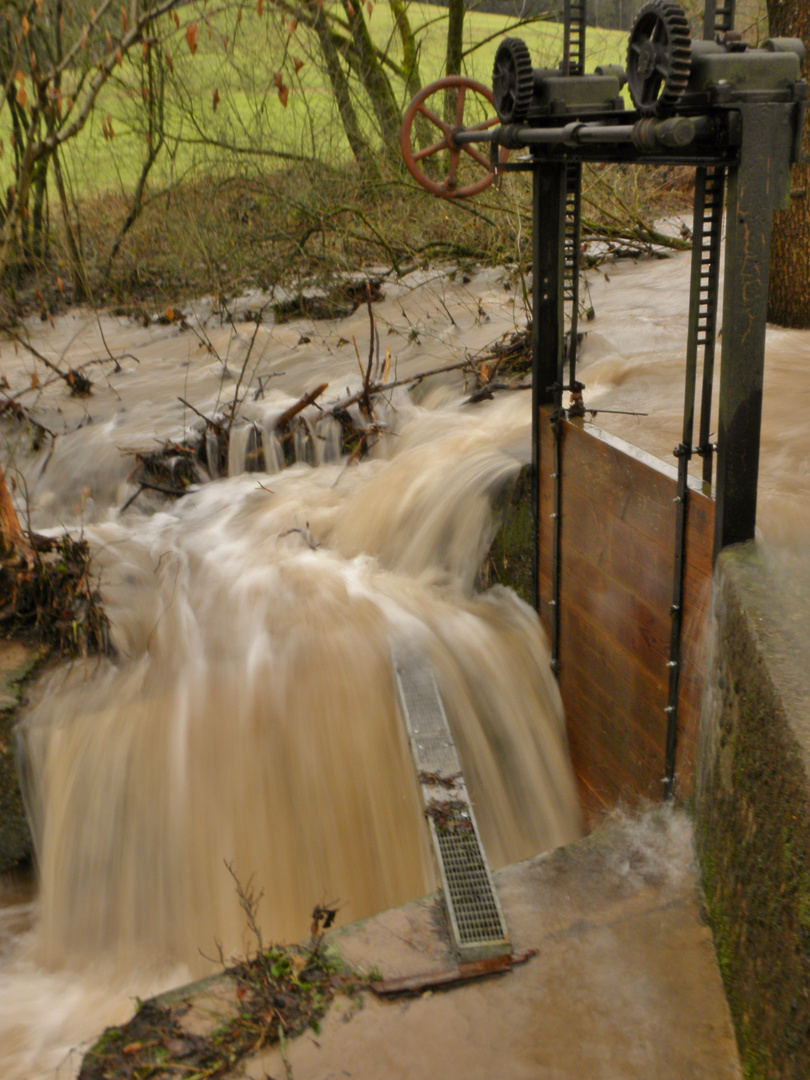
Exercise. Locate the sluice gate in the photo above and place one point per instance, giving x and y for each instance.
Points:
(625, 545)
(617, 507)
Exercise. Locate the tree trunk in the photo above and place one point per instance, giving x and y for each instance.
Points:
(788, 294)
(340, 88)
(13, 541)
(40, 188)
(375, 82)
(74, 252)
(452, 66)
(410, 67)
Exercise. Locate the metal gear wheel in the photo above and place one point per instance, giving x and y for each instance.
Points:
(659, 57)
(512, 81)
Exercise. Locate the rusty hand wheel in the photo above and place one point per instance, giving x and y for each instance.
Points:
(457, 184)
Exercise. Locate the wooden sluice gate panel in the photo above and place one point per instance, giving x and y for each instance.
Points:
(617, 558)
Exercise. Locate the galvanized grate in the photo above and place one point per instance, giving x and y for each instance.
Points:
(476, 919)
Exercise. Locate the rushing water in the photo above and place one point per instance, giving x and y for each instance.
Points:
(249, 717)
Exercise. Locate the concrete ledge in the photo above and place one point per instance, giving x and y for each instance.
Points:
(624, 985)
(753, 804)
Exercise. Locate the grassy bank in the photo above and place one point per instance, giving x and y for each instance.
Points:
(237, 55)
(226, 233)
(247, 193)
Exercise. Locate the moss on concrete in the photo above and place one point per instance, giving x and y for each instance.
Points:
(17, 663)
(509, 561)
(753, 807)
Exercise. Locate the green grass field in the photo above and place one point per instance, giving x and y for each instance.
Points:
(249, 124)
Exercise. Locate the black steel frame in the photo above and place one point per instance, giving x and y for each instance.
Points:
(741, 150)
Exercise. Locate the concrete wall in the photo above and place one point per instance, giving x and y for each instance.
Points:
(752, 804)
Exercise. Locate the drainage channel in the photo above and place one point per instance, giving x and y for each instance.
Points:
(476, 921)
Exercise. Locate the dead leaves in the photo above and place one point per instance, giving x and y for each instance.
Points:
(281, 86)
(192, 31)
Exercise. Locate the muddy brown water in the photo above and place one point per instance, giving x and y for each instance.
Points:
(249, 718)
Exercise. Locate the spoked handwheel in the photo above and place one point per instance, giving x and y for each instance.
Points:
(466, 167)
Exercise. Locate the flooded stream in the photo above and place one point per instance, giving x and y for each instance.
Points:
(247, 727)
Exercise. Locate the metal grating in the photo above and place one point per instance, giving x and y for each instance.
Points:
(478, 917)
(476, 920)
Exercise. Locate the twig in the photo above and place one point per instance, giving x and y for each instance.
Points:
(618, 412)
(262, 380)
(307, 535)
(147, 485)
(299, 406)
(132, 499)
(282, 1046)
(367, 379)
(208, 420)
(19, 413)
(235, 402)
(379, 388)
(66, 376)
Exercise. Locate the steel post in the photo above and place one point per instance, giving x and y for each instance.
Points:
(757, 185)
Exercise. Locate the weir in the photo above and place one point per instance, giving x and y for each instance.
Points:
(623, 550)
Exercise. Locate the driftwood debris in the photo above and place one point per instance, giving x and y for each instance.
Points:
(205, 452)
(338, 303)
(46, 591)
(9, 406)
(74, 378)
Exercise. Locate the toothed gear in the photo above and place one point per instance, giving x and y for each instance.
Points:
(512, 81)
(659, 58)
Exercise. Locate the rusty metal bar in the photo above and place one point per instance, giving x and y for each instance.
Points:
(548, 294)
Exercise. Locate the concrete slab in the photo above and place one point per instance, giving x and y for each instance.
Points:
(624, 986)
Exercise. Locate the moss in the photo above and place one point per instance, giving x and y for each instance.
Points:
(509, 561)
(18, 663)
(753, 830)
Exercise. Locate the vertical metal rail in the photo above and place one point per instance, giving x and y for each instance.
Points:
(706, 237)
(702, 318)
(548, 254)
(707, 224)
(701, 331)
(573, 62)
(718, 18)
(573, 200)
(567, 229)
